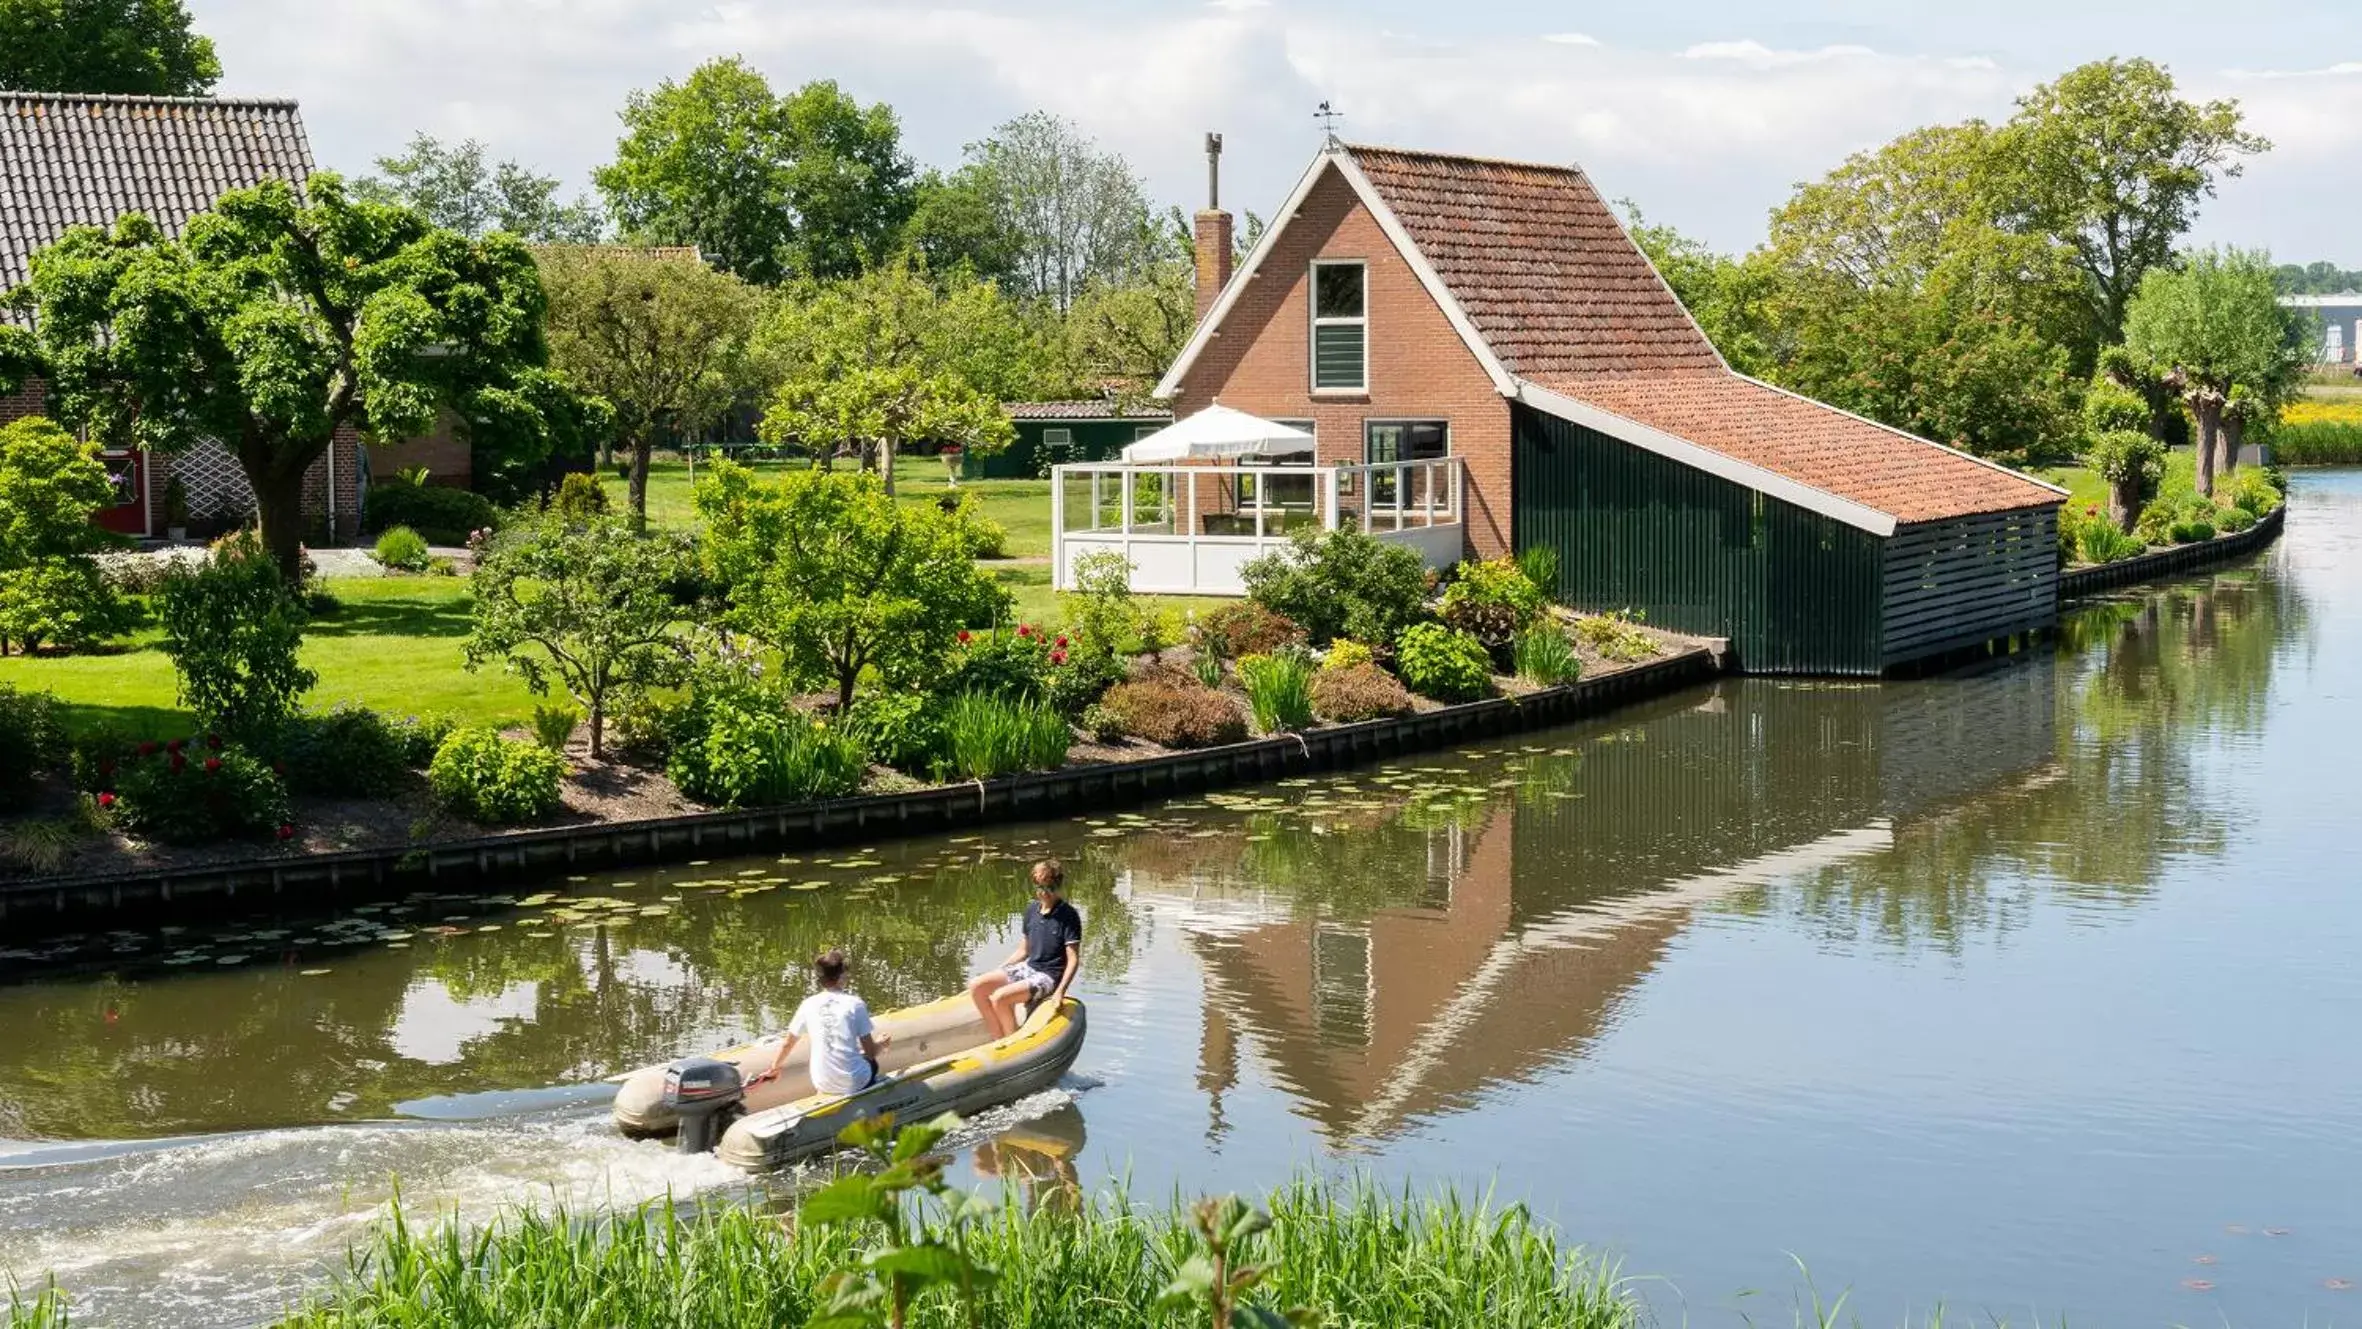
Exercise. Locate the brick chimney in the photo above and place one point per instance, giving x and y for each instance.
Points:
(1213, 233)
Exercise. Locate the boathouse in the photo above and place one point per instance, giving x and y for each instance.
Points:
(1495, 318)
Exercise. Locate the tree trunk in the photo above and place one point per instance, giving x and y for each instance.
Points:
(598, 726)
(2208, 406)
(641, 448)
(278, 507)
(2234, 429)
(2124, 502)
(886, 463)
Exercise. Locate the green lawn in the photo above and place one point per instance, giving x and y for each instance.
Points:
(394, 644)
(2086, 489)
(1029, 587)
(1022, 507)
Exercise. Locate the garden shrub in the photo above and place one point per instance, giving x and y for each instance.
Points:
(1358, 692)
(1279, 691)
(1102, 723)
(2254, 490)
(1014, 663)
(345, 752)
(51, 592)
(580, 497)
(186, 792)
(2098, 540)
(1544, 656)
(494, 780)
(422, 737)
(903, 730)
(402, 549)
(1491, 601)
(748, 747)
(233, 630)
(133, 574)
(1444, 663)
(440, 513)
(553, 726)
(986, 736)
(1176, 714)
(32, 740)
(2191, 531)
(1340, 584)
(1345, 653)
(1101, 614)
(1246, 627)
(2234, 520)
(1615, 636)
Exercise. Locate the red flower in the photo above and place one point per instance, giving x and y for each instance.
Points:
(963, 636)
(175, 746)
(148, 749)
(213, 741)
(1061, 643)
(1025, 629)
(213, 765)
(1057, 657)
(178, 761)
(286, 830)
(105, 799)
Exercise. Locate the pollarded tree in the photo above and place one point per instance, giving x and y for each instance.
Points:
(2121, 449)
(661, 338)
(142, 47)
(50, 591)
(275, 321)
(840, 579)
(2216, 322)
(586, 606)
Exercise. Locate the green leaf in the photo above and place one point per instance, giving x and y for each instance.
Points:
(926, 1264)
(1192, 1283)
(855, 1199)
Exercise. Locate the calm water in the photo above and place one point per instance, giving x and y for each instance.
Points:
(2032, 991)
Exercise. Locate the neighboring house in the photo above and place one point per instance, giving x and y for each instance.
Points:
(1051, 433)
(1410, 304)
(70, 159)
(2337, 323)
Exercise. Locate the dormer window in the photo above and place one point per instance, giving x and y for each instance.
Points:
(1340, 327)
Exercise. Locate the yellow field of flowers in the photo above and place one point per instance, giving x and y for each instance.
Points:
(2322, 411)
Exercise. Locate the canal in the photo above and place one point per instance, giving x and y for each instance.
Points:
(2029, 990)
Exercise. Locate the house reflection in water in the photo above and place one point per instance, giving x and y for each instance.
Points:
(1514, 930)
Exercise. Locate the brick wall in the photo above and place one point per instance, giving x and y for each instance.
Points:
(444, 454)
(23, 402)
(1259, 361)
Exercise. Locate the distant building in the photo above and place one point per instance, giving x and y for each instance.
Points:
(2338, 321)
(1051, 433)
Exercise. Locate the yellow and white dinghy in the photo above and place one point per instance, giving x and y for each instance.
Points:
(940, 1057)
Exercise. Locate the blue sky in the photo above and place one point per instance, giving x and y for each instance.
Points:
(1705, 113)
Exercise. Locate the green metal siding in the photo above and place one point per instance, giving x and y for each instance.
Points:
(1025, 459)
(1796, 592)
(1958, 583)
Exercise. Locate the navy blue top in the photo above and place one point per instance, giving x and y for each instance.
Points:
(1048, 935)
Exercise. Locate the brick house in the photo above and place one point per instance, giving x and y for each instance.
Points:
(1412, 305)
(86, 160)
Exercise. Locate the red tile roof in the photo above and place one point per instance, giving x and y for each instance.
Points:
(1909, 479)
(1566, 300)
(1544, 270)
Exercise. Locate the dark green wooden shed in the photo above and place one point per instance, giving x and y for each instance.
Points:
(1052, 433)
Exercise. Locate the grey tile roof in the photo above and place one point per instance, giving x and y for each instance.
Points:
(1098, 408)
(74, 159)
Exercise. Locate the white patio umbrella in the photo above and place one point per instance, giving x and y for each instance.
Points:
(1219, 432)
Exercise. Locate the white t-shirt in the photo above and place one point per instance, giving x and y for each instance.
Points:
(834, 1023)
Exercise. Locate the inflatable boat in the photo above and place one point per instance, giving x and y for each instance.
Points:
(940, 1058)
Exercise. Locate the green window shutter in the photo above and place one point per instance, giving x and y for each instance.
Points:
(1337, 355)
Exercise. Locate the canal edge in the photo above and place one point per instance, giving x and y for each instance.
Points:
(2075, 583)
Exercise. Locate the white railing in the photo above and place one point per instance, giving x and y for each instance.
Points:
(1189, 529)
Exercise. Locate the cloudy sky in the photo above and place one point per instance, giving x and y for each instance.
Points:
(1704, 112)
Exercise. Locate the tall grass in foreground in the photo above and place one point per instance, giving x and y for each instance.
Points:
(985, 736)
(2325, 442)
(1363, 1257)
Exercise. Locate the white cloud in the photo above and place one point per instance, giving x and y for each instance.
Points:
(1755, 53)
(2341, 68)
(1571, 38)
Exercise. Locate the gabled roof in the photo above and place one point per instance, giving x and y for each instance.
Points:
(1097, 408)
(1566, 313)
(74, 159)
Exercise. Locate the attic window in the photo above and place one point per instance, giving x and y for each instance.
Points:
(1340, 327)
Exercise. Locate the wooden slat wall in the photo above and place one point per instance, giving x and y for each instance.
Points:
(1968, 580)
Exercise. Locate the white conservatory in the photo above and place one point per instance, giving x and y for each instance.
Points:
(1191, 504)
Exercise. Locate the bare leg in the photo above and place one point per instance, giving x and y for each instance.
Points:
(981, 990)
(1004, 1002)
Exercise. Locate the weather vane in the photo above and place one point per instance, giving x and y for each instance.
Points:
(1328, 117)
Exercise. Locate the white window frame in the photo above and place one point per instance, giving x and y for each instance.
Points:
(1251, 496)
(1061, 436)
(1313, 323)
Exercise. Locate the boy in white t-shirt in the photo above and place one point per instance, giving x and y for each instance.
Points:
(845, 1046)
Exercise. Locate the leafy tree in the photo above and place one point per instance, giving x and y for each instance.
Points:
(1727, 296)
(233, 629)
(276, 321)
(140, 47)
(1079, 214)
(2317, 278)
(2110, 161)
(586, 606)
(2216, 323)
(954, 225)
(840, 579)
(886, 359)
(812, 183)
(457, 191)
(2122, 449)
(50, 591)
(661, 338)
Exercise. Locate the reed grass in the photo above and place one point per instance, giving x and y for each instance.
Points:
(1544, 656)
(986, 736)
(2322, 442)
(1279, 691)
(1361, 1256)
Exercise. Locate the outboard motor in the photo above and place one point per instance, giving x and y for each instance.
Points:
(706, 1094)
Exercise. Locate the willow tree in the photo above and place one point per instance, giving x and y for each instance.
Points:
(2216, 324)
(276, 321)
(657, 334)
